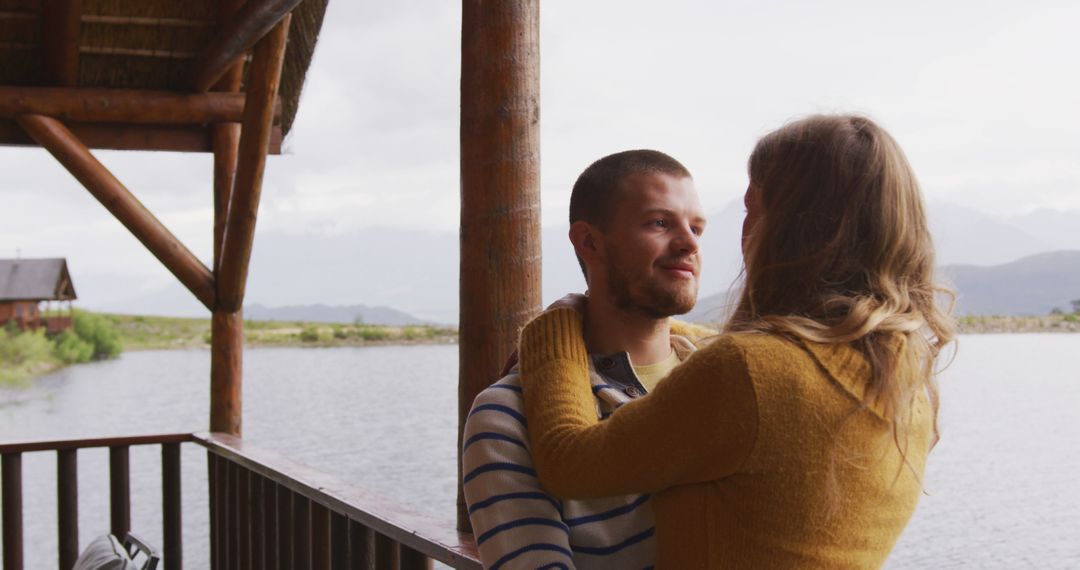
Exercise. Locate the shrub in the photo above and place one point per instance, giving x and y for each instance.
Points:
(23, 353)
(340, 334)
(96, 330)
(18, 348)
(309, 334)
(368, 332)
(71, 349)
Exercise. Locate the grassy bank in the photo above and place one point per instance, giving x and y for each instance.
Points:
(25, 354)
(995, 324)
(97, 336)
(145, 333)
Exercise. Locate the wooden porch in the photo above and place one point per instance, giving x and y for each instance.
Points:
(226, 80)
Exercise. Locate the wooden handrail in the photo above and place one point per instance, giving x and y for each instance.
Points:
(63, 444)
(434, 538)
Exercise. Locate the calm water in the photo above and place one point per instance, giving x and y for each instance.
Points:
(1001, 491)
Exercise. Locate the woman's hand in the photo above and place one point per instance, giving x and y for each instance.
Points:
(575, 301)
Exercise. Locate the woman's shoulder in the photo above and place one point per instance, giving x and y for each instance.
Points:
(751, 343)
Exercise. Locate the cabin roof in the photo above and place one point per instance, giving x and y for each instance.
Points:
(142, 45)
(35, 280)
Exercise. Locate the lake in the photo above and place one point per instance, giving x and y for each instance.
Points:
(1000, 489)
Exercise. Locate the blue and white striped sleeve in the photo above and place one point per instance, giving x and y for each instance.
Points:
(515, 523)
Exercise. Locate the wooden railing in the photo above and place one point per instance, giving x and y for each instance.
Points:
(265, 511)
(67, 469)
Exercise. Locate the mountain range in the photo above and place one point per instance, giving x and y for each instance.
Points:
(416, 272)
(1032, 285)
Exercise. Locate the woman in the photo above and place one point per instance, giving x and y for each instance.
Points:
(798, 437)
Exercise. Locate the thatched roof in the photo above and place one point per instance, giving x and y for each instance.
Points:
(143, 44)
(35, 280)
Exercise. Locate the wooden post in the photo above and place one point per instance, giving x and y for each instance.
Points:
(500, 190)
(76, 158)
(226, 367)
(239, 229)
(227, 328)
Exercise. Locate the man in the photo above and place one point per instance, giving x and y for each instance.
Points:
(635, 224)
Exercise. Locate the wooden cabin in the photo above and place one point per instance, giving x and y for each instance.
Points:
(224, 77)
(27, 283)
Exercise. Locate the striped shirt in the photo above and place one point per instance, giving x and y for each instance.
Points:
(515, 522)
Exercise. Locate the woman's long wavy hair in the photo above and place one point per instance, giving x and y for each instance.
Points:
(842, 254)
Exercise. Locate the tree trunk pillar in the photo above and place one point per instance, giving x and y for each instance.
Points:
(500, 191)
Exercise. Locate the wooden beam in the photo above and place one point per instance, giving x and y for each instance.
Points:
(263, 81)
(124, 106)
(144, 21)
(253, 21)
(60, 27)
(500, 191)
(111, 136)
(71, 153)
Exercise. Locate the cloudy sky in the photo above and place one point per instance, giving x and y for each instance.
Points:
(984, 97)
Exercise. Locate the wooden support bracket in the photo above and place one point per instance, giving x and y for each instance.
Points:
(76, 158)
(262, 86)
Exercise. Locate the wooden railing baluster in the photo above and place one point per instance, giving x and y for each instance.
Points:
(361, 547)
(301, 532)
(67, 507)
(243, 520)
(224, 547)
(270, 536)
(258, 519)
(413, 560)
(232, 550)
(11, 495)
(339, 541)
(285, 527)
(386, 552)
(119, 490)
(215, 528)
(320, 537)
(171, 516)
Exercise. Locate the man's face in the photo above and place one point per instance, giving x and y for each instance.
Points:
(650, 255)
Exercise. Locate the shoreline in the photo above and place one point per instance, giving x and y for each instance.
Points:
(1017, 325)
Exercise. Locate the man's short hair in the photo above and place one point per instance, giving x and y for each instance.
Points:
(596, 192)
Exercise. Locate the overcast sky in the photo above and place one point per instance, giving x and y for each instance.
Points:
(983, 96)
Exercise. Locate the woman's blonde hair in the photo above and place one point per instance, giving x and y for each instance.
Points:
(842, 254)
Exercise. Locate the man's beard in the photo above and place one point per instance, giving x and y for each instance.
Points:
(631, 291)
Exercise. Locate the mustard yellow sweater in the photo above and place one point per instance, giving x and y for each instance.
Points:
(755, 449)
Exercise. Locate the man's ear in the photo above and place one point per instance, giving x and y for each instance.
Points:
(587, 240)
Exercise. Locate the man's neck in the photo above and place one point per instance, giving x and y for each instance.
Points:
(609, 329)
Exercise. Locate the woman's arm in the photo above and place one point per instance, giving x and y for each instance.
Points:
(698, 425)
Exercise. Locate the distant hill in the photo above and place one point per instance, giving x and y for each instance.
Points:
(1032, 285)
(419, 274)
(331, 314)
